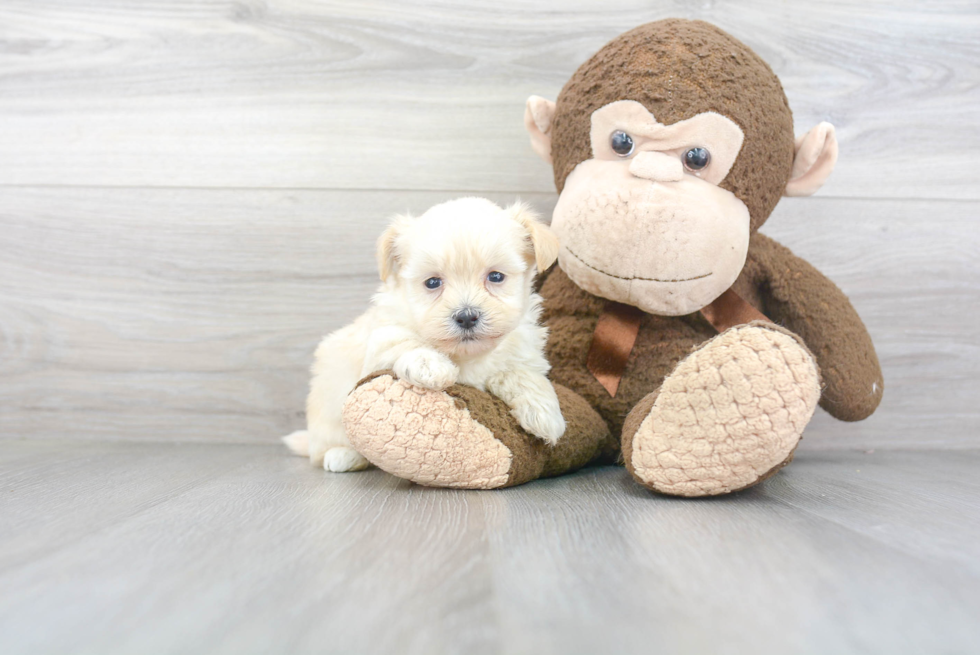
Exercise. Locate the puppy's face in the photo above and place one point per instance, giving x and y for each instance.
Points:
(464, 271)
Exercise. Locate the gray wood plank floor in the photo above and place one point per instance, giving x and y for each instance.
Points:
(209, 548)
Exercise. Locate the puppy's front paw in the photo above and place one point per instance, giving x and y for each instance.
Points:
(341, 459)
(543, 419)
(426, 368)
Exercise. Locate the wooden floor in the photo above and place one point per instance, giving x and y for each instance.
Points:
(195, 548)
(189, 197)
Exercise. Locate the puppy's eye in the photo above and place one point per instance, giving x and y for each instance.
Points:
(496, 277)
(433, 283)
(696, 159)
(621, 143)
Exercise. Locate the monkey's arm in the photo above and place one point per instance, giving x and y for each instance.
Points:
(799, 297)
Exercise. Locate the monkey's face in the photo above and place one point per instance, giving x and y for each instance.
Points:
(644, 221)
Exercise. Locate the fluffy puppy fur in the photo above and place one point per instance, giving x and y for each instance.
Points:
(456, 304)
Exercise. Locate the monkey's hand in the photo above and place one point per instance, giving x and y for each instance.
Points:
(798, 296)
(426, 368)
(533, 402)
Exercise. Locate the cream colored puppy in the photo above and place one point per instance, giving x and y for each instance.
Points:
(456, 304)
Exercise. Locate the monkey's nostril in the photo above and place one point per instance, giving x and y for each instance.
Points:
(467, 318)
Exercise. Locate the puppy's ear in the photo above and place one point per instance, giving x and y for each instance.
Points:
(387, 252)
(543, 240)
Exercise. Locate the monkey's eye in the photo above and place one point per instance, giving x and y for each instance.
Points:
(433, 283)
(621, 142)
(696, 159)
(495, 276)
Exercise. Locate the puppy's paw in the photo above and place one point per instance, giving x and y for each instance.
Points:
(542, 418)
(341, 459)
(426, 368)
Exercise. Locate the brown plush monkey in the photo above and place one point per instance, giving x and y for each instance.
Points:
(682, 342)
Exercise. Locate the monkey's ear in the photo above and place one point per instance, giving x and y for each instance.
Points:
(816, 154)
(537, 119)
(543, 240)
(387, 253)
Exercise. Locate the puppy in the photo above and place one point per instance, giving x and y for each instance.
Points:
(456, 304)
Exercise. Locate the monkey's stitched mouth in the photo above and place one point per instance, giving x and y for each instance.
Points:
(642, 279)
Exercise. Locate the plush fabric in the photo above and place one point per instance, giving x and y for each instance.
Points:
(695, 413)
(798, 296)
(816, 155)
(587, 438)
(713, 131)
(678, 69)
(638, 263)
(402, 427)
(466, 438)
(729, 413)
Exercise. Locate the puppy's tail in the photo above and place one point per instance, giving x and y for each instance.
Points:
(298, 442)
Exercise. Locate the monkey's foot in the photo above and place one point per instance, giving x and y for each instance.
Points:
(463, 437)
(729, 416)
(425, 436)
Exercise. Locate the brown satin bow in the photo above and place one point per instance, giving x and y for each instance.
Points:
(615, 333)
(612, 343)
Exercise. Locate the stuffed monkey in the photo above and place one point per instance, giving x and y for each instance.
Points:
(683, 343)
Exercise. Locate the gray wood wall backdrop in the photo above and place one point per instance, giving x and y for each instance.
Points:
(190, 190)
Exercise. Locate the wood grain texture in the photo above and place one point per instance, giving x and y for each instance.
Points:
(158, 312)
(429, 94)
(251, 550)
(192, 314)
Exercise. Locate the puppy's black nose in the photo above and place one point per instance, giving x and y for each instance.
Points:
(467, 318)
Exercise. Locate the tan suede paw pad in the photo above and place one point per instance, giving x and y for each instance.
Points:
(729, 415)
(424, 436)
